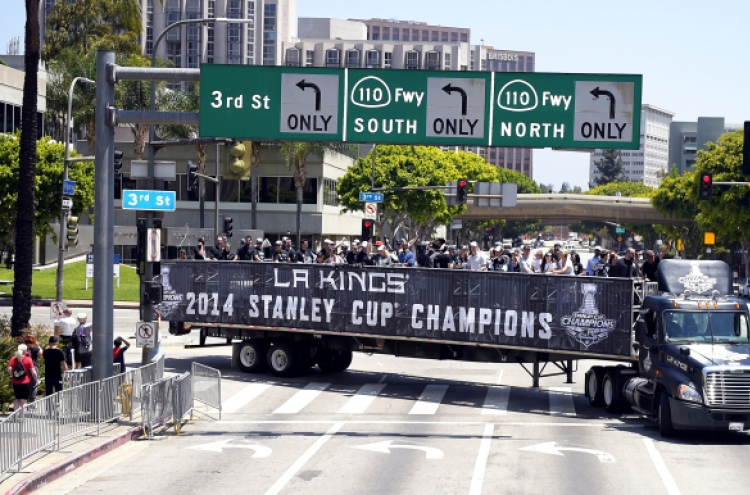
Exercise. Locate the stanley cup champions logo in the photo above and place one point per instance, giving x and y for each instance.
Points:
(696, 280)
(171, 300)
(587, 326)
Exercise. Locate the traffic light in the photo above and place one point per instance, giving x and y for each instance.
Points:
(192, 176)
(706, 184)
(118, 165)
(72, 231)
(746, 150)
(462, 191)
(239, 167)
(228, 226)
(367, 229)
(154, 293)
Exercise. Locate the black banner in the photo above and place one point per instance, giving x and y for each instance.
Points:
(546, 312)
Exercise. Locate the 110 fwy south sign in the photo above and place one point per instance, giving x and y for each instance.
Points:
(421, 107)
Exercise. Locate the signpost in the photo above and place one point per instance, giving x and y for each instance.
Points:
(56, 309)
(148, 200)
(370, 197)
(69, 187)
(90, 268)
(145, 334)
(427, 107)
(371, 210)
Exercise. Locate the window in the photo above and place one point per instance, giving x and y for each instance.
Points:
(435, 36)
(373, 59)
(250, 9)
(454, 37)
(415, 34)
(352, 58)
(193, 6)
(250, 36)
(333, 57)
(444, 36)
(411, 60)
(396, 32)
(432, 60)
(405, 36)
(292, 57)
(483, 65)
(310, 58)
(447, 61)
(387, 58)
(376, 32)
(386, 34)
(174, 52)
(269, 34)
(464, 37)
(281, 190)
(172, 17)
(330, 196)
(269, 17)
(425, 35)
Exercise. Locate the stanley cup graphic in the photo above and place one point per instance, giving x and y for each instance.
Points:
(589, 304)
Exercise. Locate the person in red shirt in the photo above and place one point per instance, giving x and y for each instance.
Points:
(22, 372)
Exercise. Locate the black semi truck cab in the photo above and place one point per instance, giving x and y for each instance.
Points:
(693, 345)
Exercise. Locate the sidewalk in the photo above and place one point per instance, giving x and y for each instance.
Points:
(45, 467)
(7, 301)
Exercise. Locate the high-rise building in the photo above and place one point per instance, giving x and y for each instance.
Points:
(686, 138)
(413, 31)
(651, 162)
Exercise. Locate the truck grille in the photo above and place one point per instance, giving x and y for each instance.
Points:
(728, 388)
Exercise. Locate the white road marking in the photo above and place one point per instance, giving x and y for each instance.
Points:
(281, 482)
(561, 402)
(386, 446)
(302, 398)
(496, 401)
(243, 397)
(480, 467)
(661, 468)
(429, 401)
(359, 402)
(608, 424)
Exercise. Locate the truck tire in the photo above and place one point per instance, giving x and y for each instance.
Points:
(611, 395)
(333, 361)
(283, 358)
(251, 357)
(664, 415)
(594, 386)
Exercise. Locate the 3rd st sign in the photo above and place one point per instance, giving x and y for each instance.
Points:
(508, 109)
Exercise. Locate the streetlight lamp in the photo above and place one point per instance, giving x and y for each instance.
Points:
(63, 211)
(147, 308)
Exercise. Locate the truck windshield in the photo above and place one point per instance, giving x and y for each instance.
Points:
(689, 327)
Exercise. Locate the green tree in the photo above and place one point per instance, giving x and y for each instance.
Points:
(295, 154)
(610, 167)
(48, 186)
(24, 219)
(86, 26)
(677, 196)
(626, 188)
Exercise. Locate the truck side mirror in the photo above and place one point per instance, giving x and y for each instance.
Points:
(685, 351)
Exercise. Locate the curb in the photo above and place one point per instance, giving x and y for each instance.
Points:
(73, 304)
(46, 476)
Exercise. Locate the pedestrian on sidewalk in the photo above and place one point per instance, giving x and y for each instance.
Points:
(118, 353)
(21, 370)
(64, 328)
(82, 342)
(34, 351)
(54, 366)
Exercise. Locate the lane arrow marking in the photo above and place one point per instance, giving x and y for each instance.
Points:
(261, 451)
(302, 85)
(448, 88)
(601, 92)
(385, 448)
(554, 449)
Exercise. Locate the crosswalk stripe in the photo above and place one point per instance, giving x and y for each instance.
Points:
(302, 398)
(243, 397)
(561, 402)
(430, 399)
(496, 401)
(359, 402)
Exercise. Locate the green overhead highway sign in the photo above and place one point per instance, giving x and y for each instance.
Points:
(421, 107)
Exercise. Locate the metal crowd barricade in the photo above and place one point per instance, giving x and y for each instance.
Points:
(80, 376)
(182, 397)
(157, 407)
(116, 397)
(207, 385)
(77, 410)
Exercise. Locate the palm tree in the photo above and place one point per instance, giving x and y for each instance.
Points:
(26, 175)
(295, 154)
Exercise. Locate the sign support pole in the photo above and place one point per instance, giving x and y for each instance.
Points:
(104, 227)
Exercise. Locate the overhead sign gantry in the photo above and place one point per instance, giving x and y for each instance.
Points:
(421, 107)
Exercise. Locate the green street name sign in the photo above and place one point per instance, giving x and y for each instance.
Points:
(513, 109)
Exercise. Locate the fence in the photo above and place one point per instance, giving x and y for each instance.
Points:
(75, 377)
(45, 423)
(207, 385)
(182, 398)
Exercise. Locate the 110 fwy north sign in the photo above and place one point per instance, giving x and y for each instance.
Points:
(421, 107)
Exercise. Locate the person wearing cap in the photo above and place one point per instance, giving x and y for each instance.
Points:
(257, 253)
(536, 265)
(381, 256)
(591, 267)
(525, 261)
(64, 328)
(404, 254)
(54, 366)
(443, 259)
(280, 256)
(364, 257)
(477, 260)
(565, 265)
(424, 258)
(82, 342)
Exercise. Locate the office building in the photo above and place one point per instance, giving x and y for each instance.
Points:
(651, 162)
(686, 138)
(413, 31)
(11, 94)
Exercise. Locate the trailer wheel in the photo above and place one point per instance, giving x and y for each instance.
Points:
(594, 386)
(333, 361)
(283, 358)
(611, 395)
(666, 428)
(251, 357)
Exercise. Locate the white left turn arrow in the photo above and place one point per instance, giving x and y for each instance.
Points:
(386, 446)
(260, 450)
(554, 449)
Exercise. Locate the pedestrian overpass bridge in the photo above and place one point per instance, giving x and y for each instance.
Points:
(571, 208)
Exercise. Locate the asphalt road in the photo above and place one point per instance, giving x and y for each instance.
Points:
(397, 425)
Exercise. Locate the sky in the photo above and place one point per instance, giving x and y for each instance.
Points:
(694, 55)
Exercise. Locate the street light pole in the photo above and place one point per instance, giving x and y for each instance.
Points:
(63, 212)
(146, 306)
